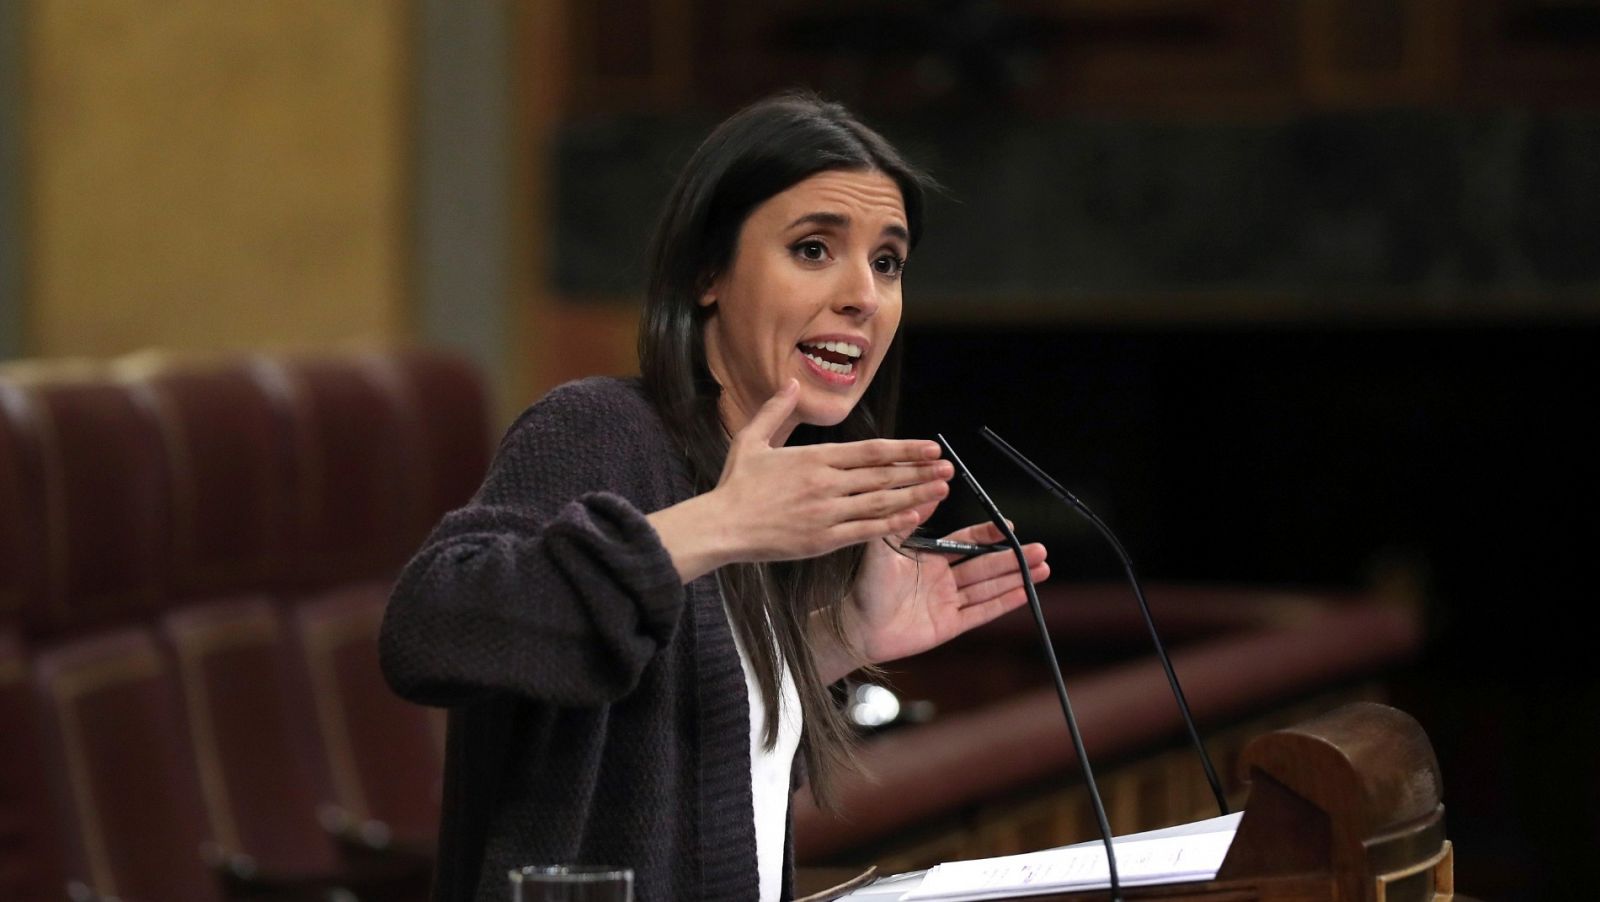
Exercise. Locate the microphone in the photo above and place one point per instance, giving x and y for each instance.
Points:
(1056, 489)
(1000, 523)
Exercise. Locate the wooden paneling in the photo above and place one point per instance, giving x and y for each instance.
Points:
(1042, 57)
(1365, 53)
(632, 55)
(1159, 789)
(1534, 52)
(1031, 57)
(1267, 162)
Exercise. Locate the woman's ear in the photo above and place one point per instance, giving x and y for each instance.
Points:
(709, 288)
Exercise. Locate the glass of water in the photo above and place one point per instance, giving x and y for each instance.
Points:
(571, 883)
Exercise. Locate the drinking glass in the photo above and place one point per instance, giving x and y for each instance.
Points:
(571, 883)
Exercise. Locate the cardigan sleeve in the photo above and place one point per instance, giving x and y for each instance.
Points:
(550, 584)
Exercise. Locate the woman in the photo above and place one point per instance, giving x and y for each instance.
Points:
(659, 578)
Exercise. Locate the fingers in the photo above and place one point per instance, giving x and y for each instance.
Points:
(976, 615)
(1006, 586)
(772, 414)
(980, 533)
(802, 501)
(995, 563)
(881, 514)
(878, 452)
(924, 511)
(866, 479)
(855, 532)
(889, 502)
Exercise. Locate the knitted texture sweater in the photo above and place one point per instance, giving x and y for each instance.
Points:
(598, 712)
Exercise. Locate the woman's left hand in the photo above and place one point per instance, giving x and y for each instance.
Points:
(906, 602)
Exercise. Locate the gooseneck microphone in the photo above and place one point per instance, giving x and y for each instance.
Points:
(1000, 523)
(1056, 489)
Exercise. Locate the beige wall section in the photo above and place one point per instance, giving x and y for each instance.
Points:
(208, 175)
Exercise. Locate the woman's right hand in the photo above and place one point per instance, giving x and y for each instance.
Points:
(787, 503)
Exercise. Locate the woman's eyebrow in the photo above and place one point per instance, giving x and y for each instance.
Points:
(834, 220)
(839, 221)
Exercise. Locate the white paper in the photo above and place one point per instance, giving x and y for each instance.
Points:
(1222, 823)
(1189, 852)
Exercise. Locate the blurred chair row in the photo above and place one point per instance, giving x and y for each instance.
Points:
(194, 559)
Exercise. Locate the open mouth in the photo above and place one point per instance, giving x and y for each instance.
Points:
(834, 356)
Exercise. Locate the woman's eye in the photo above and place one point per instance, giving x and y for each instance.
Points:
(888, 265)
(811, 251)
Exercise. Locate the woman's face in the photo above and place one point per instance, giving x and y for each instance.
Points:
(812, 293)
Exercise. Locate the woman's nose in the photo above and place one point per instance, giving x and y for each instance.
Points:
(857, 296)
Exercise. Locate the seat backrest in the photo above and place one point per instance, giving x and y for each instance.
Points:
(126, 486)
(383, 753)
(229, 461)
(24, 523)
(125, 780)
(104, 493)
(251, 732)
(351, 503)
(24, 560)
(30, 853)
(132, 491)
(447, 408)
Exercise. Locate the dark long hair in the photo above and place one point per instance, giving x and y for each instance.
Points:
(759, 152)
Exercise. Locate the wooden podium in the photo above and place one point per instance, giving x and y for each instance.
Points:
(1342, 808)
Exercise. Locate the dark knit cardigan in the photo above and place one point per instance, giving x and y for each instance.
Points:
(598, 710)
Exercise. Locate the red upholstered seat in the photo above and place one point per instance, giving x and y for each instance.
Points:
(128, 785)
(30, 853)
(21, 510)
(229, 459)
(24, 563)
(251, 733)
(104, 495)
(351, 504)
(444, 401)
(138, 493)
(383, 753)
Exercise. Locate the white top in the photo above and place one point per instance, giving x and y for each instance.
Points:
(769, 772)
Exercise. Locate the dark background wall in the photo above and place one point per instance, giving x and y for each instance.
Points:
(1291, 293)
(1354, 215)
(1455, 458)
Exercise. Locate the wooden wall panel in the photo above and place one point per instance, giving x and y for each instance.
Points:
(1032, 56)
(1157, 108)
(1366, 53)
(1535, 52)
(1053, 57)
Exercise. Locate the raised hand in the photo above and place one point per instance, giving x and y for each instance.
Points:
(783, 503)
(908, 602)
